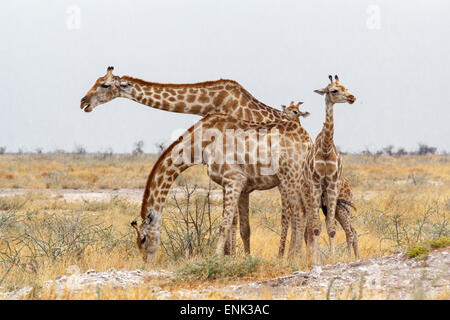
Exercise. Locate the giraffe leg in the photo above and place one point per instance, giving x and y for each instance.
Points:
(355, 243)
(285, 219)
(227, 248)
(293, 241)
(330, 220)
(343, 218)
(233, 190)
(232, 237)
(313, 204)
(244, 222)
(299, 221)
(308, 240)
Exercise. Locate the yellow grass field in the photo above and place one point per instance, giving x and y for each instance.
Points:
(401, 202)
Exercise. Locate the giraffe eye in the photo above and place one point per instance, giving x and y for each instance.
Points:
(295, 111)
(143, 239)
(334, 91)
(105, 85)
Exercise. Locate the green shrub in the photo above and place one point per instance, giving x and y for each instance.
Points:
(214, 267)
(418, 252)
(442, 242)
(422, 251)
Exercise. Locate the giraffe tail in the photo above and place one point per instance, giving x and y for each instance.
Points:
(344, 203)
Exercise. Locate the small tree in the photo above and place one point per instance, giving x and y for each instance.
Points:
(401, 152)
(389, 150)
(425, 149)
(138, 148)
(79, 149)
(2, 150)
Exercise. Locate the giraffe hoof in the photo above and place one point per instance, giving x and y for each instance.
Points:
(332, 234)
(316, 232)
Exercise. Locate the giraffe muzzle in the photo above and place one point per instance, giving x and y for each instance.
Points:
(351, 99)
(85, 105)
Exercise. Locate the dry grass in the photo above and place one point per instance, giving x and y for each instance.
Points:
(401, 201)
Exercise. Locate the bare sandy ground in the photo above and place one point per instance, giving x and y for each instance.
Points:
(73, 195)
(392, 277)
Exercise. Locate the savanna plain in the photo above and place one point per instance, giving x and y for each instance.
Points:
(63, 215)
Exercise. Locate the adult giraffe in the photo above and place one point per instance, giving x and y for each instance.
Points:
(221, 96)
(216, 138)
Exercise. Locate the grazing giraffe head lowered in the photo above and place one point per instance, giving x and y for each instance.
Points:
(237, 174)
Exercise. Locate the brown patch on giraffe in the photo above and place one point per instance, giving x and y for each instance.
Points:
(195, 108)
(203, 99)
(157, 96)
(172, 99)
(220, 97)
(236, 93)
(231, 105)
(180, 97)
(248, 114)
(180, 105)
(165, 94)
(191, 98)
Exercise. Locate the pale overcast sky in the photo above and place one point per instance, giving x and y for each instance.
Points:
(394, 56)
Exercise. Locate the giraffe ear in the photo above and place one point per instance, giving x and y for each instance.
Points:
(304, 114)
(321, 91)
(134, 225)
(109, 71)
(283, 107)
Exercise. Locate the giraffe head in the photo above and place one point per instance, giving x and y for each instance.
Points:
(148, 235)
(336, 92)
(105, 89)
(293, 112)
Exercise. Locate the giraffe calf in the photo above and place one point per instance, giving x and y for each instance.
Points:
(343, 216)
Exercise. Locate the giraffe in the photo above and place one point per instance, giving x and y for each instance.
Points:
(292, 112)
(203, 98)
(240, 173)
(343, 207)
(323, 165)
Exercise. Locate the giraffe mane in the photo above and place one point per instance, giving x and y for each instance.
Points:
(181, 85)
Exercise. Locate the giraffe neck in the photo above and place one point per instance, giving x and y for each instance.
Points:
(224, 96)
(196, 98)
(327, 141)
(163, 175)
